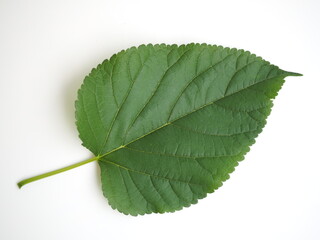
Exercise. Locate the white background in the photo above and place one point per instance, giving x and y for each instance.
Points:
(46, 49)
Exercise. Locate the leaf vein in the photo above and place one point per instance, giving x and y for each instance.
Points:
(178, 156)
(152, 175)
(122, 103)
(211, 134)
(168, 204)
(195, 77)
(154, 92)
(134, 183)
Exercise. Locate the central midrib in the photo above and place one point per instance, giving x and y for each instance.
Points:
(187, 114)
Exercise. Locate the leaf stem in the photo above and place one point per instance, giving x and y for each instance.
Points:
(48, 174)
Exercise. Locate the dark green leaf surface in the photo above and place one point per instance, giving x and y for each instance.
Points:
(171, 122)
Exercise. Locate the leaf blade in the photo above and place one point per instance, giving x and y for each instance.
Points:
(190, 111)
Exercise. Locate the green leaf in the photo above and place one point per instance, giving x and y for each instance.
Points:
(170, 123)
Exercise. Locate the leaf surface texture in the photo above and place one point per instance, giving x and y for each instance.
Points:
(172, 122)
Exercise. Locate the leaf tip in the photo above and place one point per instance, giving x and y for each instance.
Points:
(293, 74)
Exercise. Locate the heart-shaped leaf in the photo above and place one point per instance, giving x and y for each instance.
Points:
(169, 123)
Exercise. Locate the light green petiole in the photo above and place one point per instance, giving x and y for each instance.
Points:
(48, 174)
